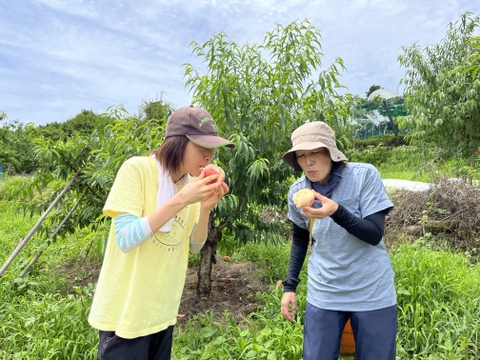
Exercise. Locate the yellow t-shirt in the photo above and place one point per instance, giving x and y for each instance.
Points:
(139, 292)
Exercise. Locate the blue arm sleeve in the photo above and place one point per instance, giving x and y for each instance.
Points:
(131, 231)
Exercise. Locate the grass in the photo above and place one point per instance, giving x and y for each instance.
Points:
(409, 163)
(43, 317)
(438, 301)
(397, 173)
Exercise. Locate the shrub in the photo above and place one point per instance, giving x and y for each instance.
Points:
(449, 211)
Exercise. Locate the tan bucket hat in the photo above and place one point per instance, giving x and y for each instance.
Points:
(312, 136)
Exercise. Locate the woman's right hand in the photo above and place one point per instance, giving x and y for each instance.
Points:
(199, 189)
(327, 209)
(289, 305)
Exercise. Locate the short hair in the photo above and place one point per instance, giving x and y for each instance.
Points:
(170, 153)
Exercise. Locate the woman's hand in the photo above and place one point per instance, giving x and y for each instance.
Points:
(216, 195)
(210, 195)
(208, 190)
(288, 305)
(328, 208)
(199, 190)
(221, 188)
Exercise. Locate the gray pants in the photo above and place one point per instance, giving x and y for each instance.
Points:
(374, 332)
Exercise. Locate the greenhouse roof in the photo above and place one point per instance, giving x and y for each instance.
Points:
(382, 93)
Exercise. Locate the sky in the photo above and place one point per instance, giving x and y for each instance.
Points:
(59, 57)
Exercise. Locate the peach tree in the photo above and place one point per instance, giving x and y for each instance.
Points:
(258, 94)
(442, 103)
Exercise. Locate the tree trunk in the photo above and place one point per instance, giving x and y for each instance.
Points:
(207, 259)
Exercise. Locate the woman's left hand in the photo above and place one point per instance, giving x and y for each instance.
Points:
(216, 195)
(328, 208)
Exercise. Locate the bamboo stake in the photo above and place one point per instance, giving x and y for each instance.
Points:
(53, 236)
(37, 225)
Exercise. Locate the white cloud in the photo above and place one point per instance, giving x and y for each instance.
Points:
(58, 57)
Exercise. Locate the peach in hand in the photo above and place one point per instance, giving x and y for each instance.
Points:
(304, 197)
(211, 169)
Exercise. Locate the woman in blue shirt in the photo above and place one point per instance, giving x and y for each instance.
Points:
(349, 271)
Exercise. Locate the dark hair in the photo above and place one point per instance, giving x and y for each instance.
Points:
(170, 153)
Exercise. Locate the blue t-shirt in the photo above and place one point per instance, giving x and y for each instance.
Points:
(344, 272)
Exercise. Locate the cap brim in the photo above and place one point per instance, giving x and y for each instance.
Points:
(210, 141)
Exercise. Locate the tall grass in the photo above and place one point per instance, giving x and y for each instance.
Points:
(438, 302)
(43, 315)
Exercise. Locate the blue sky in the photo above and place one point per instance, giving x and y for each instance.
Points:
(58, 57)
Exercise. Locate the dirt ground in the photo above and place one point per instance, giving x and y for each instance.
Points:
(234, 286)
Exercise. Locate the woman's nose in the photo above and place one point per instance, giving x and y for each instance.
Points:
(209, 156)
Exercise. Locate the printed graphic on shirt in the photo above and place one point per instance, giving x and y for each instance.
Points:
(172, 240)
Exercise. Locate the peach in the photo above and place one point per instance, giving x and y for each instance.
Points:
(211, 169)
(304, 197)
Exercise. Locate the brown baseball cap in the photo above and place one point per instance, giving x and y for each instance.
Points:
(310, 136)
(197, 125)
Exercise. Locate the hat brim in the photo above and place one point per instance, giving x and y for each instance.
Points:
(290, 158)
(210, 141)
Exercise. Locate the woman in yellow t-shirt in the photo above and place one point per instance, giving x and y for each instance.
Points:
(160, 207)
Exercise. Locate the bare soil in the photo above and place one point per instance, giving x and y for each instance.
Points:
(234, 286)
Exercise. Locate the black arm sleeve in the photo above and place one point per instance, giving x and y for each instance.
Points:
(301, 237)
(370, 229)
